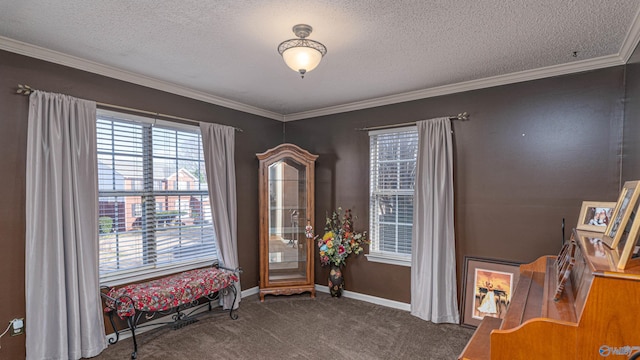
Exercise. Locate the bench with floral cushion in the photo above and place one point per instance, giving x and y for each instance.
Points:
(171, 294)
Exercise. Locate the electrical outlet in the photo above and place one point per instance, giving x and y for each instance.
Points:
(17, 327)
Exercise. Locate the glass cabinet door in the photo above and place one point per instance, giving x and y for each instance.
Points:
(287, 220)
(286, 207)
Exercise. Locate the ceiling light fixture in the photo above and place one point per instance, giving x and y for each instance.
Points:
(302, 55)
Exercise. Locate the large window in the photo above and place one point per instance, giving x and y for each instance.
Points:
(392, 177)
(154, 210)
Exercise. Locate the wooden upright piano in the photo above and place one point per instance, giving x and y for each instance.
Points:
(596, 316)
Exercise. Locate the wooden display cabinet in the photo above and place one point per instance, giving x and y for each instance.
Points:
(286, 191)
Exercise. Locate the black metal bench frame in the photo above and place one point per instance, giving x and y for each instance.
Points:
(180, 317)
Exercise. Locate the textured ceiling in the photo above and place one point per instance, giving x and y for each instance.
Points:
(227, 49)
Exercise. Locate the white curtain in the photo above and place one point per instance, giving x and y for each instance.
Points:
(64, 318)
(218, 142)
(433, 259)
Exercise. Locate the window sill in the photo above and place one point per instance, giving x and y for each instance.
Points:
(140, 275)
(389, 258)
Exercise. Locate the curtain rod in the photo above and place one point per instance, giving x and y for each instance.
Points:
(26, 90)
(461, 116)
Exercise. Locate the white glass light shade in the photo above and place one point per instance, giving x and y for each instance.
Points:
(302, 55)
(302, 59)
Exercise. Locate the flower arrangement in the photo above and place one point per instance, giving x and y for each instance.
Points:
(339, 239)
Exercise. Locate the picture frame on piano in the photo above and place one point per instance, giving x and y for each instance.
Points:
(595, 216)
(628, 247)
(624, 207)
(488, 287)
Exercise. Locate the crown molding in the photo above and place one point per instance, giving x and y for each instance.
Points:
(626, 50)
(631, 40)
(56, 57)
(527, 75)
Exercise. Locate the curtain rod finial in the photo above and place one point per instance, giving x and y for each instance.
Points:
(24, 89)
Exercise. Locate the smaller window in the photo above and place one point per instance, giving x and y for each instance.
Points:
(184, 185)
(393, 155)
(136, 209)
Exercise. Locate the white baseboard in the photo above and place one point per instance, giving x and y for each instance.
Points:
(369, 298)
(349, 294)
(251, 291)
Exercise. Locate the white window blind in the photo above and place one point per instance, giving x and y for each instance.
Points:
(154, 210)
(392, 176)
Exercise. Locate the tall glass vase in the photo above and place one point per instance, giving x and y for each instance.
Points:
(336, 281)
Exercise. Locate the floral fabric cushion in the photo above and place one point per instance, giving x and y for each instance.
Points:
(166, 293)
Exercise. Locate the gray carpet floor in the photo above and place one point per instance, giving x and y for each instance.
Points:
(298, 327)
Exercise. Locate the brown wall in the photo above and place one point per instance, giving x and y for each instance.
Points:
(259, 134)
(631, 152)
(527, 157)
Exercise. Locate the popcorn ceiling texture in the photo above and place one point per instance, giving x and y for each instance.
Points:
(375, 48)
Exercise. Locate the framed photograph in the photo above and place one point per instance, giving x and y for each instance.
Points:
(488, 286)
(628, 247)
(595, 216)
(621, 214)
